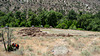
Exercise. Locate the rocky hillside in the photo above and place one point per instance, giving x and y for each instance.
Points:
(57, 5)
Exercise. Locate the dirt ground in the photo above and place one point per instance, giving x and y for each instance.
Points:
(82, 43)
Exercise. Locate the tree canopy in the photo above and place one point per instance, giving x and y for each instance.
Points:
(72, 20)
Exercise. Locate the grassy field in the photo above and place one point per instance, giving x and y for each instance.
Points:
(87, 43)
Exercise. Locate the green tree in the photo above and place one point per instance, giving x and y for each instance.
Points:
(18, 14)
(3, 20)
(23, 24)
(53, 17)
(84, 20)
(2, 13)
(72, 15)
(97, 15)
(42, 17)
(64, 23)
(32, 20)
(94, 25)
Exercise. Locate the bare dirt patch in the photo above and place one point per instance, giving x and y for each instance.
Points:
(33, 31)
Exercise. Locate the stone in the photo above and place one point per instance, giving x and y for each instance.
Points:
(60, 50)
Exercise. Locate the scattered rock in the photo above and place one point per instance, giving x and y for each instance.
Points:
(60, 51)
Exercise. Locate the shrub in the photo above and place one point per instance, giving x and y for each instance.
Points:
(62, 25)
(22, 24)
(80, 29)
(95, 49)
(47, 26)
(85, 53)
(73, 27)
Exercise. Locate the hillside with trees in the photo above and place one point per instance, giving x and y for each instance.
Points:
(49, 27)
(65, 14)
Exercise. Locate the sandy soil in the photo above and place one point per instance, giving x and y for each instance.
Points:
(87, 43)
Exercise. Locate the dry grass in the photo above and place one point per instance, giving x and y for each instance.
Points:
(42, 46)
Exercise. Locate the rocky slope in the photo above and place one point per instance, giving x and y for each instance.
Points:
(57, 5)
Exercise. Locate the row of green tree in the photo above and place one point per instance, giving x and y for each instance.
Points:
(72, 20)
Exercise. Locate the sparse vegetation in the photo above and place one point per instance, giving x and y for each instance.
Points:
(32, 54)
(95, 49)
(30, 49)
(79, 46)
(44, 46)
(20, 52)
(85, 53)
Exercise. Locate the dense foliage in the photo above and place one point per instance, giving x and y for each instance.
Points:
(72, 20)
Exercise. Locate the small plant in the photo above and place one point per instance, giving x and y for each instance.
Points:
(39, 53)
(85, 53)
(95, 49)
(32, 54)
(44, 54)
(20, 52)
(69, 41)
(76, 38)
(21, 37)
(30, 49)
(42, 44)
(79, 46)
(42, 39)
(66, 39)
(95, 42)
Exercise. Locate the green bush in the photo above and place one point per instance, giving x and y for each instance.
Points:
(72, 15)
(80, 29)
(62, 25)
(2, 26)
(73, 27)
(22, 24)
(46, 26)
